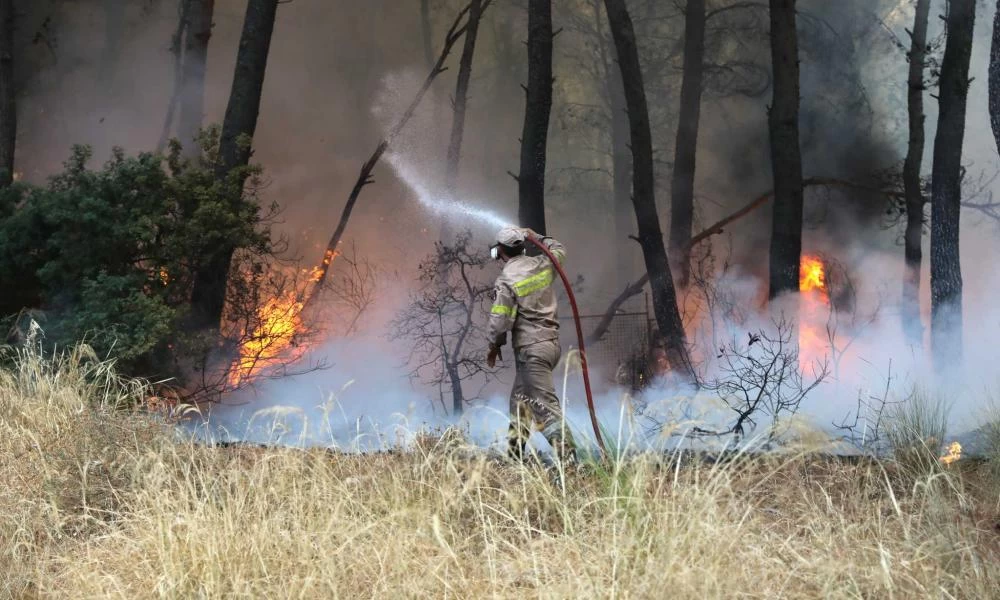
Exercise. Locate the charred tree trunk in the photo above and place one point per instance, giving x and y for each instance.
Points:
(534, 137)
(476, 8)
(786, 156)
(643, 198)
(911, 176)
(238, 127)
(8, 104)
(994, 78)
(197, 35)
(946, 186)
(685, 153)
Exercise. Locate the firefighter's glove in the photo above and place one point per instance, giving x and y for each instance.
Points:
(493, 355)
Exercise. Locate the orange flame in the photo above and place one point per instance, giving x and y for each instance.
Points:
(954, 453)
(279, 321)
(317, 272)
(273, 339)
(814, 311)
(812, 274)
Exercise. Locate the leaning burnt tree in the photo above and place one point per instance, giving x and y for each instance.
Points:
(538, 108)
(686, 149)
(209, 293)
(912, 186)
(946, 186)
(650, 237)
(786, 156)
(455, 33)
(8, 105)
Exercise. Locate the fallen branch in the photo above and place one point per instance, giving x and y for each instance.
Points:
(455, 33)
(719, 227)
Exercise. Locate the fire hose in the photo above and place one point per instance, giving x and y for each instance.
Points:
(579, 336)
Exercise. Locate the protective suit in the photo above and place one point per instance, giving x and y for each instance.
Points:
(525, 306)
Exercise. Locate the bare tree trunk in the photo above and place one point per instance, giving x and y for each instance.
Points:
(476, 8)
(946, 186)
(994, 78)
(209, 293)
(644, 199)
(786, 156)
(198, 34)
(8, 104)
(534, 138)
(910, 310)
(686, 149)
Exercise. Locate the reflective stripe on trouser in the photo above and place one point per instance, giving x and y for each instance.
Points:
(533, 401)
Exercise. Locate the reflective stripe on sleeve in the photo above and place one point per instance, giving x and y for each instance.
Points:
(508, 311)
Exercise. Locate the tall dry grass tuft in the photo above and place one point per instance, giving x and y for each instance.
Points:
(168, 518)
(66, 450)
(915, 431)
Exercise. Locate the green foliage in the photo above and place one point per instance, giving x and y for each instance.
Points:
(109, 255)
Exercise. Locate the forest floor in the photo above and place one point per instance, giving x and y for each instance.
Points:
(100, 502)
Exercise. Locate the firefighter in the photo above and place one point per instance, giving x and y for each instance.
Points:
(525, 305)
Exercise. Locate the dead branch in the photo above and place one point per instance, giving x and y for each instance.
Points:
(455, 33)
(762, 378)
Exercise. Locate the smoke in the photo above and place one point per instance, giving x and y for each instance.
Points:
(338, 75)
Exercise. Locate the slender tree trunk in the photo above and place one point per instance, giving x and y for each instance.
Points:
(476, 8)
(911, 176)
(994, 78)
(240, 123)
(534, 138)
(946, 186)
(457, 395)
(644, 199)
(8, 105)
(686, 150)
(197, 35)
(786, 156)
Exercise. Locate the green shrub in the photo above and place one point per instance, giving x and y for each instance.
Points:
(109, 255)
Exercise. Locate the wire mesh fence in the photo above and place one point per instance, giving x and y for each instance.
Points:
(620, 356)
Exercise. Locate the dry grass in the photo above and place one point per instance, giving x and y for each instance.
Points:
(98, 503)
